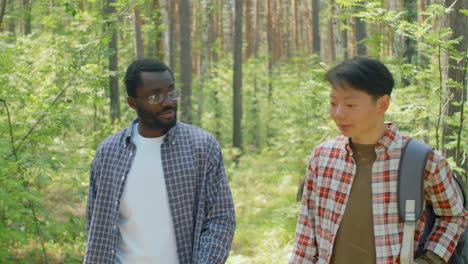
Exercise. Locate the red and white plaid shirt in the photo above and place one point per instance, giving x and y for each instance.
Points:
(328, 183)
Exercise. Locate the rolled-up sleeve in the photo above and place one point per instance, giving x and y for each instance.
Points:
(451, 215)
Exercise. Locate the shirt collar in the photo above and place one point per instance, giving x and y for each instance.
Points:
(383, 144)
(170, 135)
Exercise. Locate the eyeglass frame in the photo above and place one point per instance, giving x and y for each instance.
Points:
(152, 98)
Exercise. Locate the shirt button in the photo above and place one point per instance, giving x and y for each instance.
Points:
(116, 203)
(112, 251)
(123, 178)
(130, 154)
(115, 226)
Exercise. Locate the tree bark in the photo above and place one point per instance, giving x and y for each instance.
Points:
(2, 14)
(27, 17)
(360, 33)
(185, 61)
(316, 26)
(138, 37)
(237, 78)
(248, 30)
(156, 45)
(422, 60)
(171, 7)
(208, 15)
(409, 52)
(113, 65)
(331, 54)
(256, 25)
(11, 27)
(269, 25)
(295, 27)
(457, 73)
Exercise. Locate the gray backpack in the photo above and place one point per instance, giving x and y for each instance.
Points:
(411, 187)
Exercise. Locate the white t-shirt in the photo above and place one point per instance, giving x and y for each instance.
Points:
(145, 222)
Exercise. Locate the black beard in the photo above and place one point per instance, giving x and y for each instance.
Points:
(152, 120)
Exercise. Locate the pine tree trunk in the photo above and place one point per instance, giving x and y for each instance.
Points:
(171, 10)
(185, 61)
(248, 30)
(138, 37)
(27, 17)
(113, 65)
(360, 33)
(237, 78)
(2, 13)
(316, 26)
(457, 73)
(11, 21)
(156, 46)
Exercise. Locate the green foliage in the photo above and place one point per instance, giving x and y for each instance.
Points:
(43, 188)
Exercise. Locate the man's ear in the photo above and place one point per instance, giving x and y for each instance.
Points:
(383, 103)
(131, 102)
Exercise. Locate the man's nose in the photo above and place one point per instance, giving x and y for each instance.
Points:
(166, 101)
(338, 112)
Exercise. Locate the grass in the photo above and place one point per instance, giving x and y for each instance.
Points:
(264, 191)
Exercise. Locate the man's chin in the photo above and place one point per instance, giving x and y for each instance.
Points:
(164, 124)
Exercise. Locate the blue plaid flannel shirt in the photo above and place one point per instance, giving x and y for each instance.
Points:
(199, 196)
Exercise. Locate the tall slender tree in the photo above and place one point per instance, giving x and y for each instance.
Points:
(316, 26)
(11, 27)
(156, 46)
(457, 73)
(27, 16)
(2, 13)
(237, 78)
(185, 60)
(248, 30)
(109, 11)
(171, 11)
(138, 35)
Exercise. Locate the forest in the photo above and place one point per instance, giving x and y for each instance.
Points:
(252, 74)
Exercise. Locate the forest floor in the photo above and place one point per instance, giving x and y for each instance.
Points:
(264, 191)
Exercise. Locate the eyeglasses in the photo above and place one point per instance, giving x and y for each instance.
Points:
(159, 98)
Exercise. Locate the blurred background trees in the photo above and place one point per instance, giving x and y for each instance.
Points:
(252, 74)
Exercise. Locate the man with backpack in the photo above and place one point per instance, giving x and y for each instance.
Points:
(349, 211)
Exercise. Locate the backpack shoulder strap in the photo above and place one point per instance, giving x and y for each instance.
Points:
(411, 176)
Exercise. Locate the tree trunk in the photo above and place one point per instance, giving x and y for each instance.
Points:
(295, 27)
(27, 17)
(422, 60)
(11, 21)
(155, 46)
(185, 61)
(2, 14)
(113, 65)
(360, 34)
(457, 72)
(409, 44)
(337, 32)
(331, 55)
(171, 7)
(316, 26)
(352, 37)
(269, 24)
(237, 78)
(248, 30)
(138, 37)
(220, 27)
(256, 25)
(208, 15)
(344, 40)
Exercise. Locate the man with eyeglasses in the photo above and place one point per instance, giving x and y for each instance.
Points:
(158, 191)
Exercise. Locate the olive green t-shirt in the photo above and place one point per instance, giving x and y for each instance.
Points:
(355, 239)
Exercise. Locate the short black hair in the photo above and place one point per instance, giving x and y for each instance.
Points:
(362, 73)
(133, 74)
